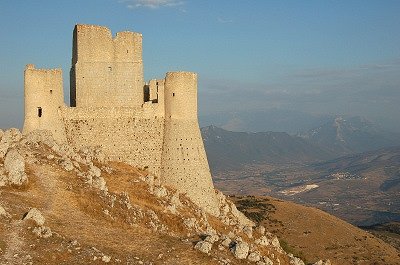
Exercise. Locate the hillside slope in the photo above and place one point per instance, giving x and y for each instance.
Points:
(311, 233)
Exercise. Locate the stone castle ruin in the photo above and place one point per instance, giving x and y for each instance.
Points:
(150, 125)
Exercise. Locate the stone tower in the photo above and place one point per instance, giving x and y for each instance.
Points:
(184, 161)
(106, 71)
(44, 101)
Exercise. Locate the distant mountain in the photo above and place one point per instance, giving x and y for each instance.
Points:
(231, 150)
(349, 135)
(276, 120)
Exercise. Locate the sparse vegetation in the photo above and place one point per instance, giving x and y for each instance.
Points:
(257, 210)
(289, 249)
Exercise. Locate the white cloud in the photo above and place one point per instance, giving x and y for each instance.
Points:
(153, 4)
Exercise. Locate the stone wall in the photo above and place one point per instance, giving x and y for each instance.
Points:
(124, 134)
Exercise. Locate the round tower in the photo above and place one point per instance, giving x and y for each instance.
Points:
(184, 161)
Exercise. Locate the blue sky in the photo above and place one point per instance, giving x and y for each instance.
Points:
(318, 57)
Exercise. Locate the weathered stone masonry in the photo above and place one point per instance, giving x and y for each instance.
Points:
(151, 125)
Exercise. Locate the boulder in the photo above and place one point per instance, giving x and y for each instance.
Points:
(160, 192)
(42, 231)
(254, 257)
(36, 216)
(240, 250)
(226, 242)
(3, 212)
(190, 222)
(106, 258)
(203, 246)
(212, 238)
(14, 164)
(248, 231)
(66, 163)
(275, 242)
(260, 229)
(94, 171)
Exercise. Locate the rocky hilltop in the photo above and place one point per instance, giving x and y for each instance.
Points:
(59, 205)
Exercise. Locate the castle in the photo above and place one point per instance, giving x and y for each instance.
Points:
(150, 125)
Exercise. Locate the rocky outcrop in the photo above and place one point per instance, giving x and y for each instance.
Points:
(14, 164)
(9, 139)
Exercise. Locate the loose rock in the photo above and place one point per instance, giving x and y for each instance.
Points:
(254, 257)
(240, 250)
(160, 192)
(3, 212)
(35, 215)
(203, 246)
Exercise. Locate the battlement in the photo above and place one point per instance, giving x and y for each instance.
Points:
(93, 43)
(32, 67)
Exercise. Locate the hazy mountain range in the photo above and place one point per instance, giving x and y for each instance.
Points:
(335, 137)
(350, 135)
(276, 120)
(228, 150)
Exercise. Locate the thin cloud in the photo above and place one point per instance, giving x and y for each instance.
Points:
(153, 4)
(224, 20)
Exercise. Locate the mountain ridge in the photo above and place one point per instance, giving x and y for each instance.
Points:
(231, 150)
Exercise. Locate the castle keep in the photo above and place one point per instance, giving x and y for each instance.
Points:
(150, 125)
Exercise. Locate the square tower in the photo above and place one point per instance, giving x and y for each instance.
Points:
(106, 71)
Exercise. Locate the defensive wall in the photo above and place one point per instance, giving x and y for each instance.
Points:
(150, 125)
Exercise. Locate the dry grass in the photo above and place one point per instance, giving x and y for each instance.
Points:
(313, 234)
